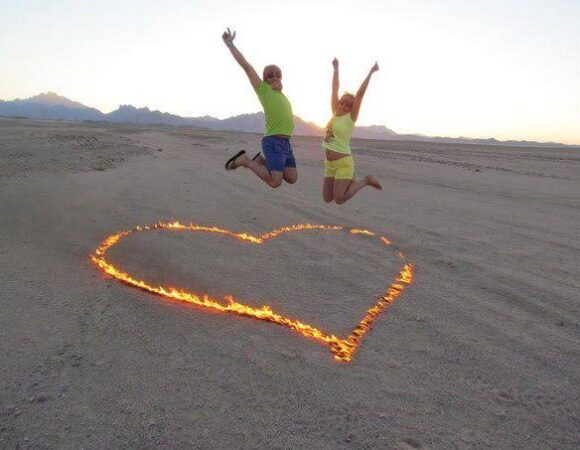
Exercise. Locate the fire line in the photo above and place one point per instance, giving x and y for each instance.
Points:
(342, 348)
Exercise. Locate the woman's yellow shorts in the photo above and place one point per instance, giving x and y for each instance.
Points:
(340, 169)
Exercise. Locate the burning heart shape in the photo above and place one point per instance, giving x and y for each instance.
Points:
(343, 349)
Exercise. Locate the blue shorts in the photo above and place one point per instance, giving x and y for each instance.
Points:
(278, 153)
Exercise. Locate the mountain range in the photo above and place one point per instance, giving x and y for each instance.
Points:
(52, 106)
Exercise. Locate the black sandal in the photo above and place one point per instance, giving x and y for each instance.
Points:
(232, 159)
(256, 157)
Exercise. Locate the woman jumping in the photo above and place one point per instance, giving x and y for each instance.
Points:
(339, 183)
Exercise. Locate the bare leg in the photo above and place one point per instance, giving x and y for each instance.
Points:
(272, 179)
(372, 182)
(328, 189)
(346, 189)
(290, 175)
(260, 159)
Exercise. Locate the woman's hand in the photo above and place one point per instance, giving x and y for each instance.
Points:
(228, 37)
(374, 69)
(335, 63)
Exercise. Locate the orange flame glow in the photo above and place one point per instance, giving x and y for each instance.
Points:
(343, 349)
(359, 231)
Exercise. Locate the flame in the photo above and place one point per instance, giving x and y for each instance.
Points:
(359, 231)
(385, 240)
(343, 349)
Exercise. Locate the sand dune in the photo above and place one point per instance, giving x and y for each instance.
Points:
(482, 350)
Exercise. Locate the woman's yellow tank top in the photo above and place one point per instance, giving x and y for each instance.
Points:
(338, 133)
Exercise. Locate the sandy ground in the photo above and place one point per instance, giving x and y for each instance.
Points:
(482, 350)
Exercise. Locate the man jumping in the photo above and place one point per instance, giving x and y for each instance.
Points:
(277, 163)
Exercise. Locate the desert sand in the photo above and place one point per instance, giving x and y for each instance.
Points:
(482, 350)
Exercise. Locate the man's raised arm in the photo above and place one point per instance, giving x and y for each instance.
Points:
(228, 38)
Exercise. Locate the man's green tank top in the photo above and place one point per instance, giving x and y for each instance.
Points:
(277, 110)
(338, 134)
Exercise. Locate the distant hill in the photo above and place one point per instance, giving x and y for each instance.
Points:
(130, 114)
(374, 132)
(254, 123)
(46, 106)
(56, 107)
(52, 99)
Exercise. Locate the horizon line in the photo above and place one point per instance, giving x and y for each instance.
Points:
(419, 135)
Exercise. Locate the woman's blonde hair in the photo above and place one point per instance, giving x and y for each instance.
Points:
(346, 95)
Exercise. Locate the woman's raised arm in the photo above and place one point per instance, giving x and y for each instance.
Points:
(361, 92)
(334, 96)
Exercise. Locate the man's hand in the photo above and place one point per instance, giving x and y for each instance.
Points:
(228, 37)
(374, 69)
(335, 63)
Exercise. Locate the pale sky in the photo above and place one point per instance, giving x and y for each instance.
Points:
(507, 69)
